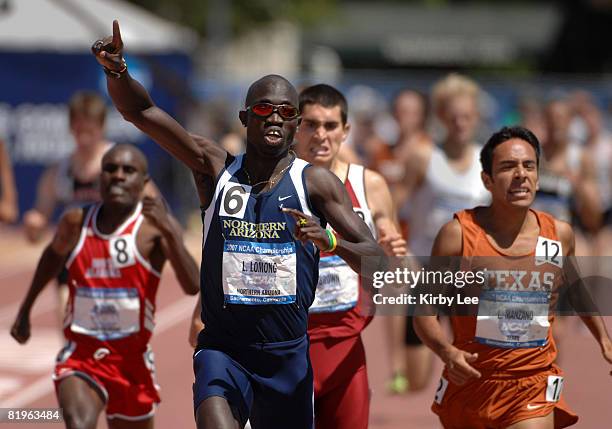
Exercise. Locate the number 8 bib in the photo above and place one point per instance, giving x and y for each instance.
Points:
(122, 251)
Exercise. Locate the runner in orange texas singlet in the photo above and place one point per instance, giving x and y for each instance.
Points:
(503, 399)
(500, 370)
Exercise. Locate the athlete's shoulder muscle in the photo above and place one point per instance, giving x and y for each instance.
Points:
(374, 181)
(448, 242)
(322, 183)
(378, 195)
(73, 218)
(216, 156)
(68, 231)
(565, 233)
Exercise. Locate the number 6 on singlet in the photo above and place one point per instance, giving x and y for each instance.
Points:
(234, 200)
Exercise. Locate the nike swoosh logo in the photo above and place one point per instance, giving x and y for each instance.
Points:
(533, 407)
(284, 198)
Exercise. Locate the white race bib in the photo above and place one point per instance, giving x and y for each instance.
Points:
(554, 387)
(234, 200)
(122, 250)
(441, 390)
(259, 273)
(338, 287)
(549, 251)
(512, 319)
(106, 314)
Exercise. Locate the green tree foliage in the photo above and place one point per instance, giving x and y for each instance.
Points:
(244, 14)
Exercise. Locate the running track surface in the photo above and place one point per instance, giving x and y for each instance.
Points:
(25, 371)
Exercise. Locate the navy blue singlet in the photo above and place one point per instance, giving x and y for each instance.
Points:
(257, 280)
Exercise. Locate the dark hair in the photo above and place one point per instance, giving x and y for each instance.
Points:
(503, 135)
(326, 96)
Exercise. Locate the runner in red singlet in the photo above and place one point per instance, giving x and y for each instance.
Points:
(114, 252)
(337, 316)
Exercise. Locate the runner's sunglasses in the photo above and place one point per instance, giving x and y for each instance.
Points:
(264, 110)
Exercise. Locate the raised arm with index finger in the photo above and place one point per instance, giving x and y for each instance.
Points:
(136, 106)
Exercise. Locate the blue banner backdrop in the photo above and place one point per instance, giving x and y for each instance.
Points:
(36, 88)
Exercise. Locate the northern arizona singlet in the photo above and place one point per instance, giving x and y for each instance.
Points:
(257, 280)
(112, 287)
(443, 192)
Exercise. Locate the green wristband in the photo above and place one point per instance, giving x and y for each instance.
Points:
(332, 241)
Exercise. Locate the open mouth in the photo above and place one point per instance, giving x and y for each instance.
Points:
(115, 190)
(273, 137)
(321, 150)
(519, 192)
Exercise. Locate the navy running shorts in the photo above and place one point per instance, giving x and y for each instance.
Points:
(270, 384)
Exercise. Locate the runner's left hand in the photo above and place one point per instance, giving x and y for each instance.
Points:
(307, 229)
(154, 209)
(394, 245)
(458, 364)
(390, 240)
(20, 330)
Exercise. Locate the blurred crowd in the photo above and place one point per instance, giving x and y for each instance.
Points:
(575, 170)
(395, 136)
(386, 134)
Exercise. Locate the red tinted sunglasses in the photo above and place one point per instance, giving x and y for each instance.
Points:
(263, 110)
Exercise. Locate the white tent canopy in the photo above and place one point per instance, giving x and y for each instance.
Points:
(73, 25)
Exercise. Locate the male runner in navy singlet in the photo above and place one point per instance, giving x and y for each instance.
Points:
(263, 213)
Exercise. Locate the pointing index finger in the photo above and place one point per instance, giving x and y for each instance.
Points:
(297, 215)
(117, 42)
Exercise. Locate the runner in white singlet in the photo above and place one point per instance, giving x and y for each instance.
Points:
(440, 180)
